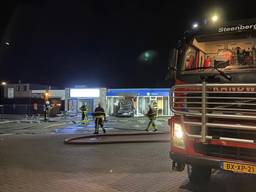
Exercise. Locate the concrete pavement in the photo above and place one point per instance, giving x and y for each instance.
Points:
(43, 163)
(119, 130)
(60, 125)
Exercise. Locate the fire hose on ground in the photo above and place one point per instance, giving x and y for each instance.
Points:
(113, 138)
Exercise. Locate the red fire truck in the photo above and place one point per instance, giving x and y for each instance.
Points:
(214, 100)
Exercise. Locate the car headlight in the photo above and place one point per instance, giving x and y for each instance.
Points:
(178, 136)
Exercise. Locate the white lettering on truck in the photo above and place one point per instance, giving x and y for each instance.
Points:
(234, 89)
(237, 28)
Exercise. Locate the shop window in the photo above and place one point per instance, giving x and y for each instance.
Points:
(17, 88)
(73, 105)
(113, 105)
(160, 106)
(143, 103)
(165, 106)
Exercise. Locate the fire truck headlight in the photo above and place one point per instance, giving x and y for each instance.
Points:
(178, 136)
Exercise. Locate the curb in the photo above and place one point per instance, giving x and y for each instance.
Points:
(5, 122)
(73, 140)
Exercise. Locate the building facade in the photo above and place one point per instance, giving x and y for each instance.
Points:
(76, 97)
(23, 98)
(158, 98)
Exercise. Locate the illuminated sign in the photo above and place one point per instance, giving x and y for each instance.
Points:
(238, 28)
(84, 92)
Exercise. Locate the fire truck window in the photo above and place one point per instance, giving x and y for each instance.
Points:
(233, 54)
(190, 59)
(244, 53)
(227, 54)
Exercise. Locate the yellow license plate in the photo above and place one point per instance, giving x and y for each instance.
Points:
(240, 168)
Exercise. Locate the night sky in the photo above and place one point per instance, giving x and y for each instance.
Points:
(98, 43)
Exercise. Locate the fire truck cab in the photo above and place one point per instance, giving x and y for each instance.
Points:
(214, 101)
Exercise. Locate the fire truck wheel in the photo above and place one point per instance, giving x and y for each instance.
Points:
(198, 174)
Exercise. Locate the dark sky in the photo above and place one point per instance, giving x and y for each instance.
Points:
(97, 42)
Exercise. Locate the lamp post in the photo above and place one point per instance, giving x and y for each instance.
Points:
(3, 84)
(46, 95)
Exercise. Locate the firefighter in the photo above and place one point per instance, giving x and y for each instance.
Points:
(84, 110)
(46, 110)
(151, 114)
(99, 116)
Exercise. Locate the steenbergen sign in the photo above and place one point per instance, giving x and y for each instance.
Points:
(237, 28)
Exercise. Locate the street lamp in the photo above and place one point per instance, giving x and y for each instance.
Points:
(195, 25)
(46, 95)
(3, 84)
(214, 18)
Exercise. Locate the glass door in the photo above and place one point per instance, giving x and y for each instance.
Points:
(142, 105)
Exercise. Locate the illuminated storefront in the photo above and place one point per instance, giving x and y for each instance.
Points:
(76, 97)
(140, 99)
